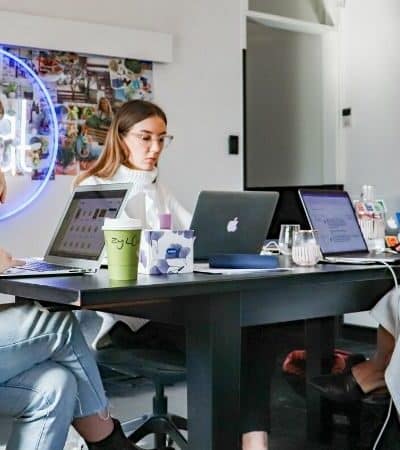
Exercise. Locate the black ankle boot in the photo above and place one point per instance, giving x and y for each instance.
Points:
(341, 388)
(115, 441)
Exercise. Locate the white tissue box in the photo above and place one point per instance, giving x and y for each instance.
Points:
(166, 251)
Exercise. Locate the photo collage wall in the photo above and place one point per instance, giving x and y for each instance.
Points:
(86, 91)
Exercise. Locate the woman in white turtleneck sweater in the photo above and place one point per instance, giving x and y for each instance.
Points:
(148, 197)
(135, 141)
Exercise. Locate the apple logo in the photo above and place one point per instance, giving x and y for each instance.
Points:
(232, 225)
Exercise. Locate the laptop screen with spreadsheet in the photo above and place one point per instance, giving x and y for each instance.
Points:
(331, 213)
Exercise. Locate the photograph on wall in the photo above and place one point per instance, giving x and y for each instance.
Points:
(39, 157)
(86, 91)
(24, 122)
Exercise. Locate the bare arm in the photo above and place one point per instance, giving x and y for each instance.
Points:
(3, 188)
(6, 260)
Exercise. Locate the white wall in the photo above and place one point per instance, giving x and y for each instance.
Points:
(201, 92)
(283, 107)
(371, 87)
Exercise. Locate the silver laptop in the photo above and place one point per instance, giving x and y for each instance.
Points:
(231, 222)
(340, 235)
(77, 245)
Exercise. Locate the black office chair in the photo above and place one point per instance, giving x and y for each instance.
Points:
(163, 368)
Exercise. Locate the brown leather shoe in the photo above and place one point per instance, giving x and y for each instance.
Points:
(115, 441)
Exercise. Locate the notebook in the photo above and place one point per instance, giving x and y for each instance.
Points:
(340, 235)
(77, 246)
(231, 222)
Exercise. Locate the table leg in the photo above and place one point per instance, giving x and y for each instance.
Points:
(319, 342)
(213, 371)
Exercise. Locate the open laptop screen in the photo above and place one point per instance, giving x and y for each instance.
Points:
(80, 235)
(332, 214)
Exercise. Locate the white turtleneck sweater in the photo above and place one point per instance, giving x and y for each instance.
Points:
(148, 198)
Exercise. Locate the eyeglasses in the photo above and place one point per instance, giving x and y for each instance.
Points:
(146, 139)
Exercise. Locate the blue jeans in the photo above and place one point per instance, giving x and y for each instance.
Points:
(48, 376)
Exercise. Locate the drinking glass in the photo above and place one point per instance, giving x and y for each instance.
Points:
(286, 238)
(306, 250)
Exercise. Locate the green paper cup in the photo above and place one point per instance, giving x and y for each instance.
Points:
(122, 238)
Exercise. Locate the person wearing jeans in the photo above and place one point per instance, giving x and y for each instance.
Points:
(49, 378)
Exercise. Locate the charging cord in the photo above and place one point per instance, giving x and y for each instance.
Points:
(384, 425)
(270, 248)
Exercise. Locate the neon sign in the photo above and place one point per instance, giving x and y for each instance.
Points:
(17, 157)
(23, 147)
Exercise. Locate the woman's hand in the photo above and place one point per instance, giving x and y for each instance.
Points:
(7, 261)
(3, 188)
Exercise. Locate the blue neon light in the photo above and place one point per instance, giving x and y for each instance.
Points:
(55, 135)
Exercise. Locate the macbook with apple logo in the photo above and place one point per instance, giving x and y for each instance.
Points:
(231, 222)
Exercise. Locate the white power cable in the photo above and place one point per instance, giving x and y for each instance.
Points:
(383, 426)
(386, 264)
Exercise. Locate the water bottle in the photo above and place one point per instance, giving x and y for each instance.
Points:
(371, 217)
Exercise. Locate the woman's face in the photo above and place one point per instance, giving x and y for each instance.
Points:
(145, 141)
(104, 105)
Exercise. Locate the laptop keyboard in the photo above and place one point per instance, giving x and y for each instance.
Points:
(42, 266)
(354, 255)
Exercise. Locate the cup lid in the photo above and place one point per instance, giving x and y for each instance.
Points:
(125, 223)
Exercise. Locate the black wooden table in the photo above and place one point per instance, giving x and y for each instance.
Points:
(213, 309)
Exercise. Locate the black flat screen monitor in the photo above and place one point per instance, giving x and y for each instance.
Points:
(289, 208)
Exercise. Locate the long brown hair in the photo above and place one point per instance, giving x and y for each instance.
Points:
(115, 152)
